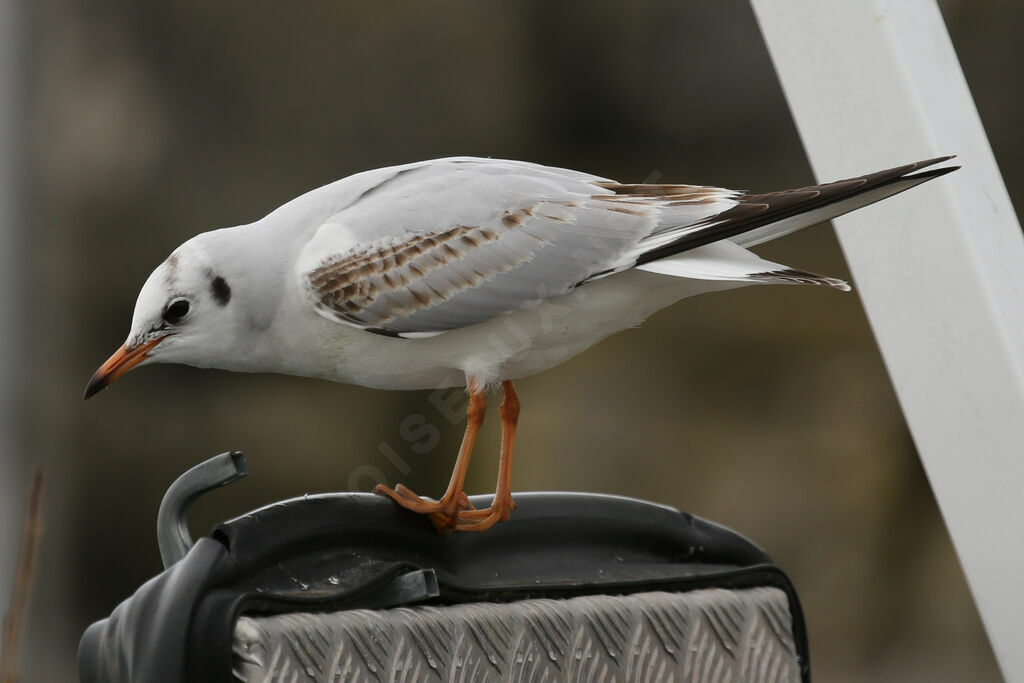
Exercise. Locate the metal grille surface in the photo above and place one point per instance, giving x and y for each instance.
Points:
(706, 635)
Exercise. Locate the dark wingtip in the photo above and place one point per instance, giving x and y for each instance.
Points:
(931, 173)
(927, 162)
(937, 160)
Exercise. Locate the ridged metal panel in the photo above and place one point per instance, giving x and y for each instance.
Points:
(709, 635)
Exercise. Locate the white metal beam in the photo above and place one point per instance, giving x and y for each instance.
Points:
(940, 269)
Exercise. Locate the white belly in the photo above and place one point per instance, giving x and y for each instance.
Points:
(508, 347)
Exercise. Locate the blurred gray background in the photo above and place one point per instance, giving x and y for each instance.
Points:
(766, 409)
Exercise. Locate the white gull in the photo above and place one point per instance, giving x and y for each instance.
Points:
(464, 272)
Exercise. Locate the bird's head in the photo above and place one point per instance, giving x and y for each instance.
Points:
(183, 315)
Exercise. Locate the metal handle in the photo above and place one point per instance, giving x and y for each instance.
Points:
(171, 521)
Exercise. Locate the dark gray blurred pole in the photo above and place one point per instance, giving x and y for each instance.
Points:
(13, 484)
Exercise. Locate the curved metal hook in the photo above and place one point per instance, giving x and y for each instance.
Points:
(171, 521)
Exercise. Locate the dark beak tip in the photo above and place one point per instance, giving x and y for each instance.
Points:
(97, 384)
(123, 360)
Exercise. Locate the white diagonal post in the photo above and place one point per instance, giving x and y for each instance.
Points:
(940, 269)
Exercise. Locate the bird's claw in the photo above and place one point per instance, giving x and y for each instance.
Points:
(443, 513)
(478, 520)
(454, 514)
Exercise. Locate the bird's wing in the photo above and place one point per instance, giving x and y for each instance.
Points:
(451, 243)
(445, 244)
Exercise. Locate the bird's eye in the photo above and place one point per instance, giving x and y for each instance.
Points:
(176, 310)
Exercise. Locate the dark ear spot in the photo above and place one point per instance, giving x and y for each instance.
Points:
(220, 290)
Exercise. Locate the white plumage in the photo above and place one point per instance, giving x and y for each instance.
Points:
(463, 271)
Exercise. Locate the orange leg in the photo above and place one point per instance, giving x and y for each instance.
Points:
(502, 505)
(443, 513)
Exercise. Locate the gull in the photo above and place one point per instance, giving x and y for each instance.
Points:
(465, 272)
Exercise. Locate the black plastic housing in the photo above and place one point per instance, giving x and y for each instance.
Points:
(343, 551)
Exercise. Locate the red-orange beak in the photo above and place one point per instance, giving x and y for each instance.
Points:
(123, 360)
